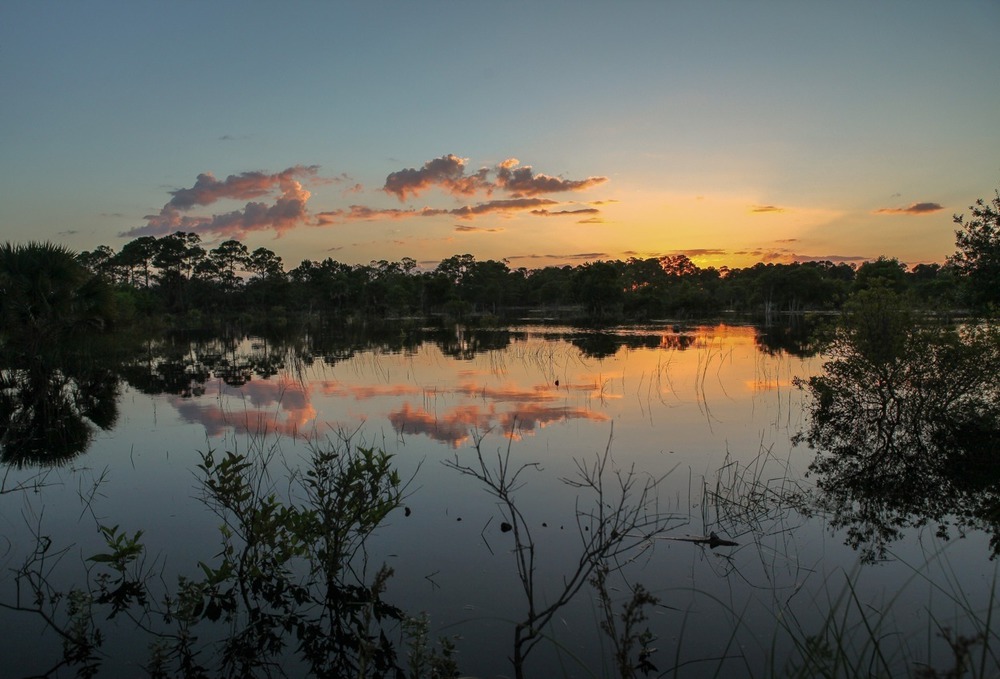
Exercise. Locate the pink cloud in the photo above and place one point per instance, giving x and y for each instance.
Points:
(244, 186)
(523, 181)
(446, 172)
(287, 212)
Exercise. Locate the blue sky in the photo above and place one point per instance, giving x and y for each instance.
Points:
(732, 131)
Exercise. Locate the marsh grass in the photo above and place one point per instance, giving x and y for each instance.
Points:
(835, 628)
(859, 638)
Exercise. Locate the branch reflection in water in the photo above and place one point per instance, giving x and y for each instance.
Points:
(906, 423)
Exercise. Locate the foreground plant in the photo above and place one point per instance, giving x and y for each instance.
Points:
(620, 519)
(291, 587)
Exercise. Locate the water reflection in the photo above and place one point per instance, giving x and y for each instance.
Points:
(51, 404)
(708, 401)
(906, 422)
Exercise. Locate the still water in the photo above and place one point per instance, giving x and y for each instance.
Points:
(712, 410)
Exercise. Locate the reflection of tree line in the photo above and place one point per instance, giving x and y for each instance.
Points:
(906, 423)
(905, 417)
(54, 397)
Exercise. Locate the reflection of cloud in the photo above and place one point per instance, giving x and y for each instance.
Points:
(266, 393)
(280, 406)
(508, 394)
(284, 406)
(285, 421)
(452, 428)
(527, 418)
(915, 209)
(364, 392)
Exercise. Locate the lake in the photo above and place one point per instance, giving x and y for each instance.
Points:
(711, 415)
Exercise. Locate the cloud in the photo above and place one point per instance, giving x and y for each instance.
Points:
(278, 201)
(465, 228)
(524, 182)
(766, 208)
(363, 213)
(700, 252)
(287, 212)
(449, 174)
(562, 213)
(585, 256)
(245, 186)
(836, 259)
(510, 205)
(915, 209)
(446, 172)
(592, 220)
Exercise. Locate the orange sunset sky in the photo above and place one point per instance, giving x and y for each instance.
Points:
(540, 132)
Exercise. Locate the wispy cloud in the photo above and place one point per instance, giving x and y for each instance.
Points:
(766, 208)
(563, 213)
(580, 256)
(362, 212)
(465, 228)
(914, 209)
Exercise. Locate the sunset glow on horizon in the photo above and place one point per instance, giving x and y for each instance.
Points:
(542, 134)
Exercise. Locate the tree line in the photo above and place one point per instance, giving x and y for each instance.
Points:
(177, 274)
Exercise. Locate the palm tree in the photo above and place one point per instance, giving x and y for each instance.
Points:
(45, 293)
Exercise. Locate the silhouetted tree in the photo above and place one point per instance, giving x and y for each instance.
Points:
(978, 255)
(45, 293)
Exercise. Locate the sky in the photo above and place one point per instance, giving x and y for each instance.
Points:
(543, 133)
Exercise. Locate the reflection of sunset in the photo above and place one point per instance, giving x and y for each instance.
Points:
(368, 391)
(768, 384)
(456, 425)
(547, 379)
(508, 393)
